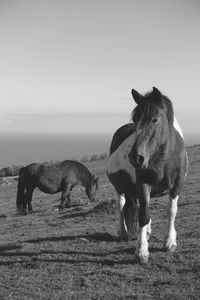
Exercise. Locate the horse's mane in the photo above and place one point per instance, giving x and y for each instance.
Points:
(149, 104)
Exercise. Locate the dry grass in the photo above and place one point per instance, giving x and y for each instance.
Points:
(75, 254)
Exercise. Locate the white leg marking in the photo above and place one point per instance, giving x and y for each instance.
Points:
(122, 225)
(149, 230)
(170, 239)
(142, 251)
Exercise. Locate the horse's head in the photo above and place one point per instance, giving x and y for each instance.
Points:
(93, 187)
(153, 118)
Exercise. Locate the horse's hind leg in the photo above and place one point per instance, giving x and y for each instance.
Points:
(123, 231)
(64, 196)
(131, 210)
(20, 196)
(170, 238)
(24, 204)
(29, 194)
(68, 200)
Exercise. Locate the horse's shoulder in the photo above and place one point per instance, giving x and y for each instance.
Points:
(119, 164)
(121, 135)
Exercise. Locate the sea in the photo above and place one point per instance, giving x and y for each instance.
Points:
(25, 149)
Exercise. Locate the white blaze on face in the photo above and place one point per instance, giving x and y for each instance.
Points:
(177, 127)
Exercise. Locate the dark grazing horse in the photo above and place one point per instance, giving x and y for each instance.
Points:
(148, 159)
(51, 179)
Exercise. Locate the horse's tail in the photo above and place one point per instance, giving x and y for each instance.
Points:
(20, 194)
(131, 213)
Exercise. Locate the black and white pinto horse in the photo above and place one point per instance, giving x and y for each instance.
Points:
(148, 159)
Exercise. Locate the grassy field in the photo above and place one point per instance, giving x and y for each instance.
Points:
(75, 253)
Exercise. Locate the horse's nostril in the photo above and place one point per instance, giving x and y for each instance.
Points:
(140, 159)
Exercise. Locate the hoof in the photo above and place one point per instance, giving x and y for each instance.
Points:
(142, 255)
(23, 213)
(142, 259)
(122, 239)
(170, 249)
(122, 236)
(169, 246)
(132, 236)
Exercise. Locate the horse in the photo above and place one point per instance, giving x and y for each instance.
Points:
(147, 159)
(51, 179)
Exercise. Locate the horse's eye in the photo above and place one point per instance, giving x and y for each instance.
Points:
(155, 120)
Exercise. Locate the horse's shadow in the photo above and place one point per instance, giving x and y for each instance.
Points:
(107, 258)
(101, 236)
(9, 247)
(28, 258)
(75, 210)
(83, 210)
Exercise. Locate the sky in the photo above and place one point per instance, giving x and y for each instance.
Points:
(69, 66)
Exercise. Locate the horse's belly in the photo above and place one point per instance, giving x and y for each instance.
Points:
(49, 189)
(49, 186)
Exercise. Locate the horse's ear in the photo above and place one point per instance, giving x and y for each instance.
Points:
(137, 96)
(157, 94)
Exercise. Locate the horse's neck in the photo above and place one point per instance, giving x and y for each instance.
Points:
(166, 148)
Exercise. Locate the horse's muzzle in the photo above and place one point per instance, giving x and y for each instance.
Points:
(138, 161)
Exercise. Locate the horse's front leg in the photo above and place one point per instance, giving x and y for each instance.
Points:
(142, 251)
(170, 238)
(64, 195)
(68, 200)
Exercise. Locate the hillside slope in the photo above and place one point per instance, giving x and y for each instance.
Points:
(75, 253)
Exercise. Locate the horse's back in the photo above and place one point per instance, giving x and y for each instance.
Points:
(74, 172)
(57, 175)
